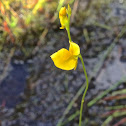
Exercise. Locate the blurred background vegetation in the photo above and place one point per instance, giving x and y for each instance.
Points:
(35, 93)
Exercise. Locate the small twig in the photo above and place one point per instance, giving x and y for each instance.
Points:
(123, 91)
(109, 98)
(122, 121)
(92, 102)
(114, 115)
(116, 107)
(73, 116)
(111, 112)
(102, 26)
(75, 6)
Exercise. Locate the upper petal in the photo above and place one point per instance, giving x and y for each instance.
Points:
(64, 60)
(74, 49)
(62, 12)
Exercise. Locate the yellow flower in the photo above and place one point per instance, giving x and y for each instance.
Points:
(66, 59)
(63, 12)
(63, 16)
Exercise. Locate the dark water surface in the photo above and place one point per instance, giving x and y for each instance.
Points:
(13, 85)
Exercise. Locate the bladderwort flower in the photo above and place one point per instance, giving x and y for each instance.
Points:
(64, 16)
(67, 59)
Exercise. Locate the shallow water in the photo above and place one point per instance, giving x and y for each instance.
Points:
(13, 85)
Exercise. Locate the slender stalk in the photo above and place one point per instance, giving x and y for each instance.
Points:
(68, 32)
(84, 94)
(68, 28)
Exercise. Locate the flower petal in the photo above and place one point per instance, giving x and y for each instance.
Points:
(62, 27)
(62, 12)
(76, 65)
(64, 60)
(64, 22)
(74, 49)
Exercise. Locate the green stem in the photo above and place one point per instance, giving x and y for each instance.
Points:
(84, 94)
(68, 28)
(68, 32)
